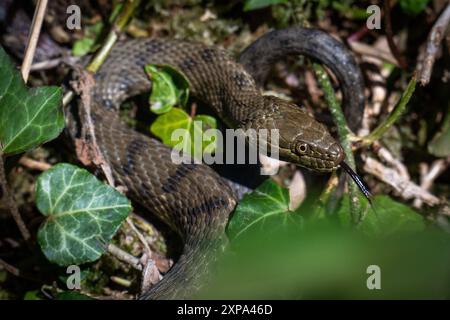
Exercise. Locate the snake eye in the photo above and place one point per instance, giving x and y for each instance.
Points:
(302, 148)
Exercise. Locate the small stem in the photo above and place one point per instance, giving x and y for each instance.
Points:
(140, 236)
(399, 109)
(122, 19)
(344, 133)
(435, 37)
(125, 257)
(11, 269)
(33, 38)
(12, 204)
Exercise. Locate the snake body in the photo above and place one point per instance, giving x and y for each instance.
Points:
(191, 198)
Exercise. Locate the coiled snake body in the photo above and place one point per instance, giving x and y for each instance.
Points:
(191, 198)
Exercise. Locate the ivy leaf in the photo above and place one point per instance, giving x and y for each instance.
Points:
(258, 4)
(169, 88)
(28, 117)
(387, 217)
(83, 214)
(266, 208)
(194, 128)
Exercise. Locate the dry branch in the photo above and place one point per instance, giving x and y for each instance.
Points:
(425, 66)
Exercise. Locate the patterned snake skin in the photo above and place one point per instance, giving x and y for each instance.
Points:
(191, 198)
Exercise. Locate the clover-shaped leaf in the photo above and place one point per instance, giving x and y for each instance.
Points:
(169, 88)
(28, 117)
(194, 139)
(83, 214)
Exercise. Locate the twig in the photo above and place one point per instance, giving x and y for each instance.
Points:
(119, 24)
(406, 188)
(90, 147)
(399, 109)
(12, 204)
(150, 272)
(121, 281)
(52, 63)
(435, 37)
(367, 50)
(33, 38)
(140, 236)
(11, 269)
(390, 37)
(387, 157)
(34, 164)
(124, 256)
(428, 175)
(344, 133)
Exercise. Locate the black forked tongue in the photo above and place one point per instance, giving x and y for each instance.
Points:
(359, 182)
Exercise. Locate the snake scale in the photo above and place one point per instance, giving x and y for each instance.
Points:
(191, 198)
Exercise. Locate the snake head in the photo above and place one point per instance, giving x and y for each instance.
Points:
(303, 140)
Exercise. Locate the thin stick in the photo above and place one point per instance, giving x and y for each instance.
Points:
(368, 50)
(124, 256)
(12, 204)
(11, 269)
(428, 175)
(34, 164)
(140, 236)
(433, 43)
(33, 38)
(406, 188)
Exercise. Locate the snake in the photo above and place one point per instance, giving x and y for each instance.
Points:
(192, 199)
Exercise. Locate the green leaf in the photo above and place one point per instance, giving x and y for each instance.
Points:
(266, 208)
(83, 46)
(413, 7)
(165, 125)
(439, 146)
(352, 12)
(388, 217)
(32, 295)
(88, 43)
(72, 295)
(169, 88)
(83, 214)
(28, 117)
(258, 4)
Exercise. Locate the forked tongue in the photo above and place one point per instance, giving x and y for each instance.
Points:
(359, 182)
